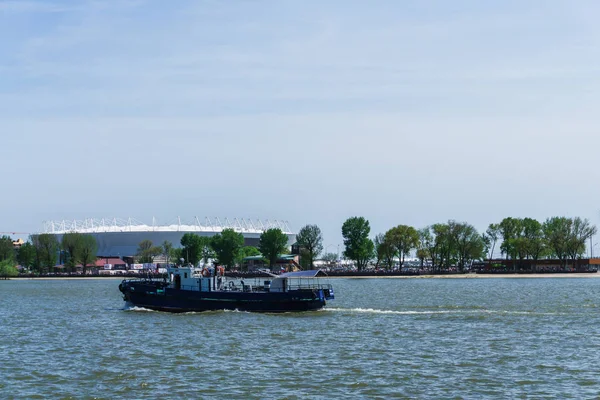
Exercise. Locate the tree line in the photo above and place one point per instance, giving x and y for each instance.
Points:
(43, 252)
(458, 244)
(442, 246)
(226, 248)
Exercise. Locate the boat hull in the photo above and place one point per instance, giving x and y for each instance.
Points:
(156, 296)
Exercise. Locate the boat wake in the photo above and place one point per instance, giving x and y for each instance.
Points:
(137, 309)
(461, 311)
(375, 311)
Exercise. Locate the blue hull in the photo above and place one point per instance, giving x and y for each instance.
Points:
(156, 296)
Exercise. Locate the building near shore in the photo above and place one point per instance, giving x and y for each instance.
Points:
(121, 237)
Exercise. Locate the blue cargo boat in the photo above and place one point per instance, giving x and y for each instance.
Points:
(189, 289)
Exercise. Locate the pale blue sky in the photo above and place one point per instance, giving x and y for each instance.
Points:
(404, 112)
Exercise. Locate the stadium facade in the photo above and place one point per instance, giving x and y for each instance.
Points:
(120, 238)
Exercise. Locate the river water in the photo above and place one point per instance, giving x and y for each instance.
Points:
(380, 338)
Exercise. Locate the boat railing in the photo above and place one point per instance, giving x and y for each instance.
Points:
(308, 286)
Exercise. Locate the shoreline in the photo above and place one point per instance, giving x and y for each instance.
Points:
(478, 276)
(454, 276)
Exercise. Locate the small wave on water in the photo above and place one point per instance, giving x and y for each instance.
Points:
(432, 312)
(375, 311)
(208, 312)
(529, 313)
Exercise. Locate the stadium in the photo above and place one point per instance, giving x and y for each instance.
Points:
(120, 237)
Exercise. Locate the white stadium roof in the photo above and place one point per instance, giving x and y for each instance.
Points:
(213, 225)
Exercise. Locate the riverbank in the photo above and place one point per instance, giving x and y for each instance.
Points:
(476, 276)
(428, 276)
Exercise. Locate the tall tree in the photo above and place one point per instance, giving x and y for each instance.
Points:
(533, 235)
(404, 238)
(70, 243)
(46, 246)
(359, 248)
(440, 246)
(191, 248)
(86, 252)
(510, 230)
(271, 244)
(310, 238)
(423, 247)
(7, 250)
(427, 243)
(227, 246)
(492, 235)
(176, 255)
(556, 233)
(26, 255)
(467, 242)
(384, 251)
(581, 231)
(166, 250)
(147, 251)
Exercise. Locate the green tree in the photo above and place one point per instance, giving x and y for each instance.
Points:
(468, 245)
(535, 244)
(7, 269)
(304, 259)
(556, 234)
(227, 247)
(404, 239)
(176, 255)
(191, 248)
(7, 250)
(384, 251)
(86, 251)
(439, 246)
(147, 251)
(310, 239)
(26, 255)
(581, 231)
(271, 244)
(424, 244)
(250, 251)
(359, 248)
(510, 230)
(166, 250)
(492, 234)
(70, 243)
(46, 246)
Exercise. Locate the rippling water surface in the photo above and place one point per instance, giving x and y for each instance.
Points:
(381, 338)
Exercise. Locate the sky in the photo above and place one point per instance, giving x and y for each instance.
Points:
(403, 112)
